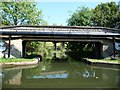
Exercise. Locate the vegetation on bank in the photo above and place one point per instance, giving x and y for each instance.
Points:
(5, 60)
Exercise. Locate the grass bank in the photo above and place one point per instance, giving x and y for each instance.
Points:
(6, 60)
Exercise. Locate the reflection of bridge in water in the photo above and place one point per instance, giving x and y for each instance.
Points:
(103, 38)
(69, 74)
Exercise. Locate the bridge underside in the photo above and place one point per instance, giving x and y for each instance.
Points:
(58, 38)
(104, 46)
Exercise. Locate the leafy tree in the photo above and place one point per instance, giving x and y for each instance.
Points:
(20, 13)
(81, 17)
(107, 15)
(0, 14)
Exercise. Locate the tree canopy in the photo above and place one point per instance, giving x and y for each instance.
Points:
(104, 14)
(20, 13)
(81, 17)
(107, 15)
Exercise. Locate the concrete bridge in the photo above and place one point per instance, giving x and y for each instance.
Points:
(104, 38)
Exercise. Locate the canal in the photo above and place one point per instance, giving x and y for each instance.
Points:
(61, 75)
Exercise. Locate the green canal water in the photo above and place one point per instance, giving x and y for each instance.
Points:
(61, 75)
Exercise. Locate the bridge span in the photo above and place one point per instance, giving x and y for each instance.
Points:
(106, 36)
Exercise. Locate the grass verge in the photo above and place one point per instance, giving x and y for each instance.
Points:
(5, 60)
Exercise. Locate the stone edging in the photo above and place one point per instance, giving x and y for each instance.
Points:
(13, 64)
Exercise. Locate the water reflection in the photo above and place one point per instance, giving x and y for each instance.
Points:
(61, 75)
(88, 74)
(12, 77)
(50, 76)
(1, 75)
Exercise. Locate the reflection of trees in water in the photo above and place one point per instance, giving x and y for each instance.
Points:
(42, 67)
(72, 72)
(12, 77)
(88, 74)
(83, 72)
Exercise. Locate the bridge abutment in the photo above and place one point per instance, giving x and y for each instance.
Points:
(108, 48)
(14, 49)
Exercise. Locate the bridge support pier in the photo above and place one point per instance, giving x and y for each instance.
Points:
(9, 46)
(62, 47)
(109, 48)
(98, 50)
(114, 48)
(55, 49)
(24, 49)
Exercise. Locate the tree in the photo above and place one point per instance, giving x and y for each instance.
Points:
(107, 15)
(81, 17)
(21, 13)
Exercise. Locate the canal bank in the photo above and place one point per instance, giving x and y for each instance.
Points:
(9, 63)
(103, 62)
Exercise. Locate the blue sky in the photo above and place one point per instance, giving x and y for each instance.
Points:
(59, 12)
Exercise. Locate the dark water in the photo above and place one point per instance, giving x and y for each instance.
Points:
(61, 75)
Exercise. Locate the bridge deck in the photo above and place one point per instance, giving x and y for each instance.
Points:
(59, 31)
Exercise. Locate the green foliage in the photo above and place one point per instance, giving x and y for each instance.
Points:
(81, 17)
(32, 46)
(20, 13)
(0, 14)
(78, 50)
(107, 15)
(40, 48)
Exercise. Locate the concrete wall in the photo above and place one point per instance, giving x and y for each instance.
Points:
(15, 51)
